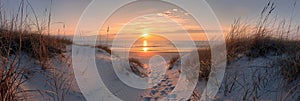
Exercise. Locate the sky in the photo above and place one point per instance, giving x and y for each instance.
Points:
(66, 13)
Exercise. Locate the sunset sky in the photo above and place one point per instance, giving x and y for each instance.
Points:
(67, 12)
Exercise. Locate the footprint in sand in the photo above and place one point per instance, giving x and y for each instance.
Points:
(153, 92)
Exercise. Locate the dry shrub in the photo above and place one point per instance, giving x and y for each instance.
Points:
(205, 63)
(172, 62)
(105, 48)
(266, 46)
(12, 77)
(290, 66)
(135, 64)
(136, 61)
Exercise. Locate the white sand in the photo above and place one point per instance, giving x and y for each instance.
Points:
(257, 78)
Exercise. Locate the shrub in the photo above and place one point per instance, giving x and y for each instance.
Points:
(105, 48)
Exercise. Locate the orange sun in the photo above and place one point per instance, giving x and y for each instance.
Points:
(145, 35)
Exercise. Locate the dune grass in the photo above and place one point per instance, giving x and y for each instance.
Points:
(269, 37)
(17, 40)
(31, 43)
(266, 37)
(205, 63)
(13, 46)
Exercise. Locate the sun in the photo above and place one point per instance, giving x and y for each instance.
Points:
(145, 35)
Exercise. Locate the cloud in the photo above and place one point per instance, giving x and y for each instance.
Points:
(168, 13)
(193, 31)
(175, 16)
(175, 10)
(160, 14)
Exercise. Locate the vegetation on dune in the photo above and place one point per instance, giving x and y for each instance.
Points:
(204, 56)
(19, 34)
(105, 48)
(290, 67)
(173, 61)
(205, 63)
(36, 45)
(242, 41)
(136, 66)
(268, 38)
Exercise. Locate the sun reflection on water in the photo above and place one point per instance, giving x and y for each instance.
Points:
(145, 49)
(145, 43)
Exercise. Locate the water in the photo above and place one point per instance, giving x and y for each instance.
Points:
(155, 46)
(144, 50)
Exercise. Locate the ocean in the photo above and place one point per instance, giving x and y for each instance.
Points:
(144, 50)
